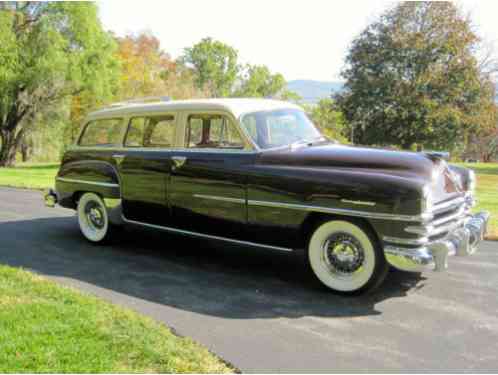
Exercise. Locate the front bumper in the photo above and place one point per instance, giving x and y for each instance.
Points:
(50, 197)
(434, 256)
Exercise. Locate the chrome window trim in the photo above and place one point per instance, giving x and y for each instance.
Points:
(218, 198)
(208, 236)
(156, 149)
(97, 183)
(341, 211)
(249, 145)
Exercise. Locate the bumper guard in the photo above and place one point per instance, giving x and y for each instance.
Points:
(50, 198)
(434, 255)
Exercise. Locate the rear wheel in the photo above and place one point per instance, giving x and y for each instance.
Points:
(93, 218)
(346, 257)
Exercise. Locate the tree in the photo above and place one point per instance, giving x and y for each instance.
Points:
(257, 81)
(48, 51)
(143, 65)
(330, 121)
(214, 64)
(412, 78)
(290, 96)
(146, 70)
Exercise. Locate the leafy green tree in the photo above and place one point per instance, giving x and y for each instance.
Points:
(412, 78)
(215, 66)
(290, 96)
(48, 52)
(330, 121)
(258, 81)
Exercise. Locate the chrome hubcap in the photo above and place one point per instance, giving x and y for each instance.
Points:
(94, 215)
(343, 254)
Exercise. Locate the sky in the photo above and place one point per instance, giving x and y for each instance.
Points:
(302, 39)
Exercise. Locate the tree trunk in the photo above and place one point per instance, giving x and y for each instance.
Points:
(24, 152)
(10, 143)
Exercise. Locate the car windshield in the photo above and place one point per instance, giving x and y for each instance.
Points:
(281, 127)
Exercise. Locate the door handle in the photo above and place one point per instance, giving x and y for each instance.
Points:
(178, 161)
(119, 158)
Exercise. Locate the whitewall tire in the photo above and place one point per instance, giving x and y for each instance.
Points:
(345, 257)
(93, 218)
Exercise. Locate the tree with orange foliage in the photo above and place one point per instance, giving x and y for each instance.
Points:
(146, 70)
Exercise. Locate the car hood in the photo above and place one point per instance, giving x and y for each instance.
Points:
(431, 169)
(340, 156)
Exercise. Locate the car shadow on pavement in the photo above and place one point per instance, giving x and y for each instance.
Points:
(202, 277)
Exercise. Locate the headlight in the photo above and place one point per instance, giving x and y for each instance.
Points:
(472, 181)
(427, 200)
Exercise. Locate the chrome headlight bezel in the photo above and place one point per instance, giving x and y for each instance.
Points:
(427, 201)
(472, 182)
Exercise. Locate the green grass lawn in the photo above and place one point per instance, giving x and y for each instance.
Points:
(487, 192)
(45, 327)
(30, 176)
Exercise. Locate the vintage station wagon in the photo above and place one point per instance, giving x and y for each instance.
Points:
(257, 172)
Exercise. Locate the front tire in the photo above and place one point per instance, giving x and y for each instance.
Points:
(345, 256)
(93, 219)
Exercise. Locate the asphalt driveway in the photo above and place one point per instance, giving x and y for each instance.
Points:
(255, 309)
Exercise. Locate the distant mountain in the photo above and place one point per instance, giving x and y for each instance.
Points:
(312, 91)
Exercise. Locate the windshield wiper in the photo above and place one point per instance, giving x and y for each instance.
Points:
(307, 142)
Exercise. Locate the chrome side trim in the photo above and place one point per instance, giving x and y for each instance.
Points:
(363, 203)
(106, 184)
(209, 236)
(223, 199)
(341, 211)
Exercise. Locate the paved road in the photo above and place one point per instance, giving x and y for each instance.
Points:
(254, 309)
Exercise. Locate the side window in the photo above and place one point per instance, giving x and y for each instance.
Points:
(212, 131)
(135, 135)
(153, 131)
(106, 132)
(160, 132)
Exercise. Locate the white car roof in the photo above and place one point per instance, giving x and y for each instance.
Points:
(234, 105)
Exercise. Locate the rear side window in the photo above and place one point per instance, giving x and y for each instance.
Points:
(105, 132)
(153, 131)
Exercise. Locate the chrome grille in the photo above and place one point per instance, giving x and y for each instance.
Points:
(448, 216)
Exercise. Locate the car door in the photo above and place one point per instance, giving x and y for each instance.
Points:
(145, 165)
(207, 189)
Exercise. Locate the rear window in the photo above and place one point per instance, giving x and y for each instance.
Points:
(105, 132)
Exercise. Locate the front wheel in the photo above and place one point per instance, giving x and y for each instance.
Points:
(93, 218)
(346, 257)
